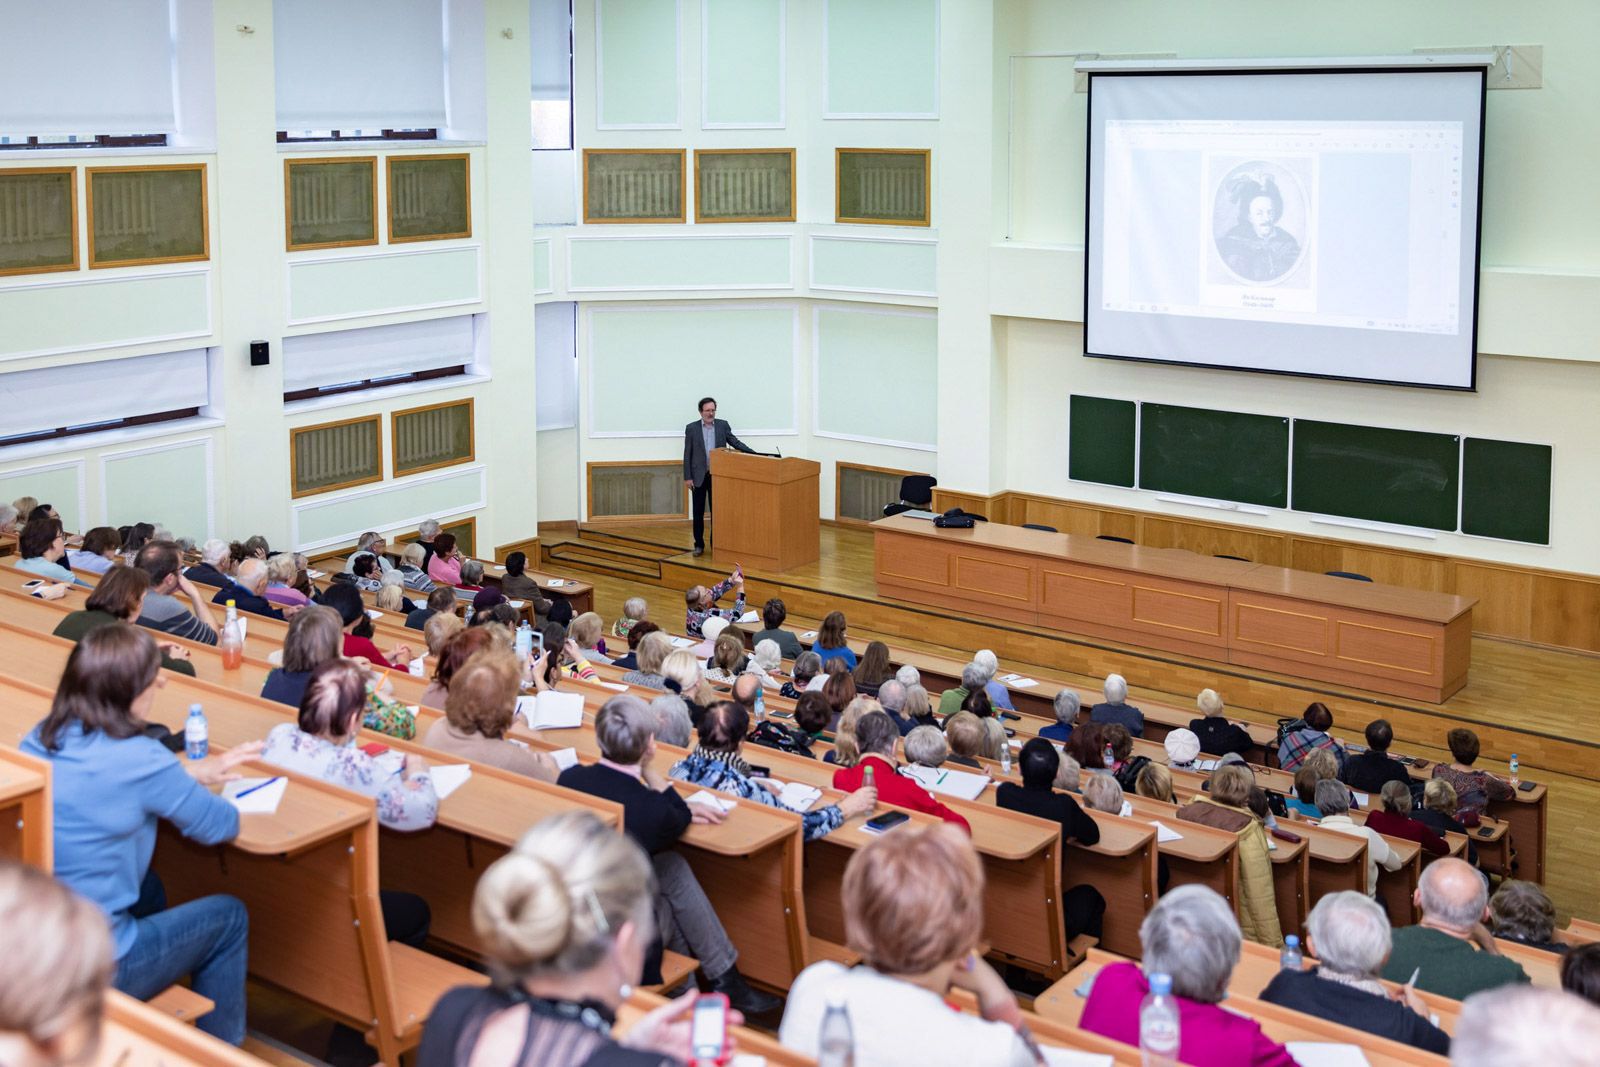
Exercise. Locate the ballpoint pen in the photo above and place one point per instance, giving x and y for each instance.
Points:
(241, 794)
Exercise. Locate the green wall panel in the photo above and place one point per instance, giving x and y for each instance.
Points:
(58, 487)
(638, 52)
(97, 314)
(877, 376)
(343, 518)
(543, 272)
(874, 266)
(377, 284)
(743, 63)
(678, 263)
(170, 487)
(649, 366)
(883, 57)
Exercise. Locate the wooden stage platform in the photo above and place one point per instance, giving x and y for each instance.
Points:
(1537, 702)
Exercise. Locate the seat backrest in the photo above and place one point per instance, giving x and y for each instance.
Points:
(1039, 526)
(1113, 537)
(895, 509)
(917, 489)
(1352, 575)
(1224, 555)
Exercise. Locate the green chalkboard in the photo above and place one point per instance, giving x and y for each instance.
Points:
(1218, 454)
(1363, 472)
(1100, 440)
(1505, 490)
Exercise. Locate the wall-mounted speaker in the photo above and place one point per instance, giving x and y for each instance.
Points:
(260, 354)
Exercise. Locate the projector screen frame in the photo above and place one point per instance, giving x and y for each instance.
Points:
(1464, 64)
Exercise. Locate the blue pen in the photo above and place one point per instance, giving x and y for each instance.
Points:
(942, 777)
(241, 794)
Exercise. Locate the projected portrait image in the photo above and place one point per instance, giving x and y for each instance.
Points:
(1261, 225)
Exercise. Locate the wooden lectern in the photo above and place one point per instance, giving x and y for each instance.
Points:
(764, 510)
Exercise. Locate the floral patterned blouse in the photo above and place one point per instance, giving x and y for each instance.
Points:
(402, 804)
(728, 773)
(388, 717)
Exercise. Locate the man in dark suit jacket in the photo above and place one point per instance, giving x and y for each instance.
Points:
(1082, 905)
(700, 439)
(245, 590)
(1369, 771)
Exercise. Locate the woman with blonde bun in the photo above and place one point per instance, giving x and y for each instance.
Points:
(565, 920)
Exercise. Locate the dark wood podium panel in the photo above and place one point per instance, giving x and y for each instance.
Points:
(1405, 642)
(764, 510)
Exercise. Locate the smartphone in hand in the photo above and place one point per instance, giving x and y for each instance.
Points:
(708, 1029)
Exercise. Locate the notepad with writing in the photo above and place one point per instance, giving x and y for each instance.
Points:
(555, 583)
(418, 668)
(256, 796)
(711, 800)
(551, 710)
(682, 642)
(448, 779)
(962, 784)
(797, 796)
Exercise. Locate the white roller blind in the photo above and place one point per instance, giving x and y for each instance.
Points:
(32, 401)
(359, 64)
(318, 360)
(550, 30)
(555, 364)
(86, 66)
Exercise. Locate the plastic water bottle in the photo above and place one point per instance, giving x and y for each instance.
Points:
(1514, 775)
(869, 780)
(836, 1044)
(524, 640)
(761, 706)
(231, 643)
(196, 737)
(470, 613)
(1158, 1024)
(1291, 958)
(1005, 757)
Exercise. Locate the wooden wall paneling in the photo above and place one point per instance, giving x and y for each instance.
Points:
(1566, 611)
(1068, 518)
(1505, 598)
(1210, 539)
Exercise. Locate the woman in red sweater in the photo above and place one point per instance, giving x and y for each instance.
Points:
(346, 600)
(1394, 820)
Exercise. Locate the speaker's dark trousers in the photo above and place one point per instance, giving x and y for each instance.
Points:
(700, 497)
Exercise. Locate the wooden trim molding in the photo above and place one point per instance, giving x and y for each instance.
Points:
(528, 546)
(71, 174)
(205, 215)
(288, 201)
(394, 437)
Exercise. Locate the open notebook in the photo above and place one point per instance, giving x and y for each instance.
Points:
(551, 710)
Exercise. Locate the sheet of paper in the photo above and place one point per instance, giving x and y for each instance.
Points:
(310, 573)
(555, 583)
(953, 783)
(517, 605)
(809, 635)
(1071, 1057)
(1326, 1054)
(682, 642)
(448, 779)
(1164, 832)
(374, 614)
(1363, 800)
(798, 796)
(551, 710)
(498, 567)
(749, 616)
(262, 801)
(564, 757)
(1206, 765)
(705, 796)
(1023, 683)
(244, 627)
(418, 667)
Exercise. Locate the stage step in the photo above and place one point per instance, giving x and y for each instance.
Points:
(669, 543)
(608, 559)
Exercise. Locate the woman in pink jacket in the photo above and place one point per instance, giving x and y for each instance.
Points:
(1193, 936)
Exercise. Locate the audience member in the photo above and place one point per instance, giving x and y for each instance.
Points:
(314, 637)
(164, 612)
(892, 698)
(426, 532)
(392, 597)
(1183, 748)
(135, 537)
(111, 784)
(9, 520)
(727, 659)
(249, 581)
(1438, 813)
(989, 663)
(478, 710)
(101, 548)
(655, 815)
(1526, 1026)
(874, 668)
(215, 566)
(440, 629)
(516, 585)
(253, 547)
(807, 668)
(565, 923)
(682, 674)
(1190, 936)
(846, 751)
(1392, 818)
(1349, 936)
(58, 967)
(441, 599)
(918, 709)
(1450, 949)
(1102, 793)
(1580, 971)
(634, 610)
(1474, 788)
(1303, 802)
(967, 739)
(926, 747)
(1082, 905)
(42, 547)
(1333, 801)
(413, 568)
(460, 645)
(716, 764)
(773, 613)
(1298, 744)
(363, 572)
(24, 506)
(1217, 735)
(1226, 807)
(994, 734)
(839, 688)
(1155, 782)
(357, 626)
(1069, 775)
(1066, 706)
(700, 602)
(370, 544)
(1368, 771)
(282, 570)
(1116, 708)
(908, 675)
(444, 563)
(954, 699)
(765, 660)
(672, 720)
(830, 643)
(629, 660)
(878, 738)
(471, 582)
(119, 597)
(585, 632)
(649, 656)
(1522, 912)
(913, 910)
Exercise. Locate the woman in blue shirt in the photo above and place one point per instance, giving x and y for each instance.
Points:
(43, 547)
(830, 643)
(111, 783)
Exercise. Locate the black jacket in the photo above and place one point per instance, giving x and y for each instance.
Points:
(696, 464)
(1369, 772)
(1441, 824)
(1048, 804)
(245, 600)
(206, 574)
(1339, 1003)
(1219, 737)
(654, 820)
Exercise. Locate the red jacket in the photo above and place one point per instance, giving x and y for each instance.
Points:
(1391, 825)
(894, 789)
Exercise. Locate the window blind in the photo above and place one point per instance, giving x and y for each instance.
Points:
(359, 64)
(320, 360)
(82, 394)
(550, 30)
(87, 67)
(555, 365)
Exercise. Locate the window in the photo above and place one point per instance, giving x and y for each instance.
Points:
(80, 398)
(347, 361)
(882, 185)
(335, 455)
(744, 185)
(24, 142)
(550, 31)
(430, 197)
(38, 220)
(314, 136)
(145, 215)
(363, 66)
(426, 438)
(633, 184)
(330, 202)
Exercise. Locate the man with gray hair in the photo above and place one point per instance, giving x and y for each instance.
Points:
(373, 542)
(1349, 936)
(908, 676)
(926, 746)
(656, 816)
(1191, 936)
(1116, 707)
(1333, 800)
(246, 588)
(1450, 950)
(1542, 1026)
(892, 698)
(426, 532)
(216, 563)
(1066, 708)
(999, 695)
(951, 700)
(672, 720)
